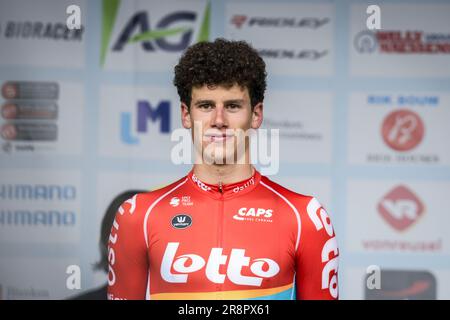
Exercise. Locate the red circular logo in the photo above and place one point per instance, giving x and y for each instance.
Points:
(8, 131)
(9, 111)
(402, 130)
(9, 91)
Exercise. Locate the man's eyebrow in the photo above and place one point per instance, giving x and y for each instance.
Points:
(213, 102)
(234, 101)
(203, 102)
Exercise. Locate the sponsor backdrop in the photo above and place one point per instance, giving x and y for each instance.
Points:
(363, 116)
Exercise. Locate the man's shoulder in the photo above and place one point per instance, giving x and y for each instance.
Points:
(290, 195)
(310, 211)
(145, 199)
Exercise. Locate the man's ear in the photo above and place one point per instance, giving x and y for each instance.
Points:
(257, 115)
(185, 116)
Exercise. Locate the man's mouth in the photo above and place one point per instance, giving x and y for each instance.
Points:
(217, 137)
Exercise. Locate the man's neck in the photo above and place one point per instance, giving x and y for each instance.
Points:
(224, 174)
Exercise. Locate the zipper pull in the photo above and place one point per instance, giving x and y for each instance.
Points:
(220, 187)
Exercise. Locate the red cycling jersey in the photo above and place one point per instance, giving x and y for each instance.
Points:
(249, 240)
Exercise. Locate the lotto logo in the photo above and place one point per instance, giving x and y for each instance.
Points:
(185, 264)
(330, 250)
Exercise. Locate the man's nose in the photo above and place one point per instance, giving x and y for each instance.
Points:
(219, 117)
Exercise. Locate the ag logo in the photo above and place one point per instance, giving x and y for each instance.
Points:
(402, 130)
(170, 32)
(181, 221)
(401, 208)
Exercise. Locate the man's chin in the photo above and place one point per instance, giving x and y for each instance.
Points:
(218, 160)
(218, 156)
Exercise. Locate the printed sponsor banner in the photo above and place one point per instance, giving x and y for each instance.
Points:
(404, 46)
(293, 39)
(137, 122)
(36, 278)
(42, 117)
(304, 121)
(397, 216)
(40, 206)
(399, 128)
(399, 283)
(402, 284)
(35, 34)
(145, 35)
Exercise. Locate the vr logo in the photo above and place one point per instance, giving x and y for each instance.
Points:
(401, 208)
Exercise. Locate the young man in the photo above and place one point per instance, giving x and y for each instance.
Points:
(223, 231)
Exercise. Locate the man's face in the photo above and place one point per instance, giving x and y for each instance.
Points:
(219, 116)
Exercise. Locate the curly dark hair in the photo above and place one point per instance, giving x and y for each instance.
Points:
(222, 62)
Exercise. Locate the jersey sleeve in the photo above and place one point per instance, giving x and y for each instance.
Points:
(127, 254)
(317, 255)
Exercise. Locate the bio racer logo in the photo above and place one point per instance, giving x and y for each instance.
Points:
(152, 35)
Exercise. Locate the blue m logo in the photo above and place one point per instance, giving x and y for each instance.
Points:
(145, 112)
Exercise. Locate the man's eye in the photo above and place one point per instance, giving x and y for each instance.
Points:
(205, 106)
(233, 106)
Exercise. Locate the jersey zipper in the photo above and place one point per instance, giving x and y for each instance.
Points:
(220, 231)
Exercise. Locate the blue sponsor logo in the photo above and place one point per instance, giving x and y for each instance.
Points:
(145, 113)
(56, 195)
(403, 100)
(37, 192)
(37, 217)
